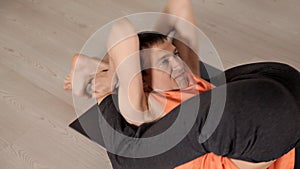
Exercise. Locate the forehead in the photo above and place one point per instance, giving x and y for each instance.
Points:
(152, 55)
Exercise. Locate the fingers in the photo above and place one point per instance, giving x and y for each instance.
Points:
(101, 92)
(80, 83)
(102, 68)
(91, 78)
(101, 85)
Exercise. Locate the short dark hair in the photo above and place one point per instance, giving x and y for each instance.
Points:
(149, 38)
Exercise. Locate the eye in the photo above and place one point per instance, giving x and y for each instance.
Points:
(164, 62)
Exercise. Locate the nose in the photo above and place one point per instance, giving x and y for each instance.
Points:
(176, 63)
(177, 66)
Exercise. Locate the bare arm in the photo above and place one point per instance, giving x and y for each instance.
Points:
(123, 48)
(183, 22)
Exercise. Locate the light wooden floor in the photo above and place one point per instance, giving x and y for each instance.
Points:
(38, 38)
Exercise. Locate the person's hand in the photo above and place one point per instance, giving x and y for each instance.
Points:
(104, 81)
(91, 77)
(83, 70)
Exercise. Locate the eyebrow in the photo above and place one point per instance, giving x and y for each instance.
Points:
(167, 55)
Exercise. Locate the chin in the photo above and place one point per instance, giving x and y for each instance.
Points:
(183, 84)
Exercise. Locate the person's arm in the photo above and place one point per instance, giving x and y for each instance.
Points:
(123, 48)
(182, 21)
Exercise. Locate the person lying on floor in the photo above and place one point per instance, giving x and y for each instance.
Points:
(168, 83)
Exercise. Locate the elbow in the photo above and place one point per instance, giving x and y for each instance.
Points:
(187, 34)
(121, 30)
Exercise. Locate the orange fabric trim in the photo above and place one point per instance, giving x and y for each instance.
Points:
(209, 161)
(286, 161)
(171, 99)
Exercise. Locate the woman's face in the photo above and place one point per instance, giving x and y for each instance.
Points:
(164, 69)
